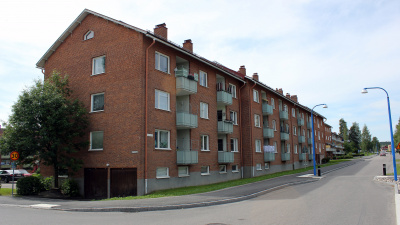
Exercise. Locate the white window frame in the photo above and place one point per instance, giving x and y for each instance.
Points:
(257, 122)
(234, 145)
(203, 110)
(274, 125)
(235, 117)
(163, 176)
(88, 35)
(273, 103)
(159, 136)
(276, 146)
(258, 166)
(203, 79)
(256, 97)
(185, 174)
(158, 67)
(94, 61)
(258, 145)
(293, 112)
(235, 170)
(205, 139)
(157, 100)
(223, 167)
(92, 101)
(233, 90)
(266, 166)
(206, 173)
(295, 149)
(294, 130)
(91, 141)
(288, 148)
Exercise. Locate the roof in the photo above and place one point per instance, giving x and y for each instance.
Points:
(40, 64)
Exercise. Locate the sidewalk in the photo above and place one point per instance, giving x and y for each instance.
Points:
(227, 195)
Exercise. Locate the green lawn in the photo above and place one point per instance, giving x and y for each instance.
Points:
(5, 191)
(218, 186)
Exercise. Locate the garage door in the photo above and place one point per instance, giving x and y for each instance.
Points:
(123, 182)
(95, 183)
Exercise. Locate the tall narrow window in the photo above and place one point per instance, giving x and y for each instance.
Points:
(274, 125)
(258, 145)
(99, 65)
(234, 145)
(255, 96)
(162, 62)
(161, 100)
(203, 110)
(233, 115)
(233, 90)
(96, 140)
(293, 112)
(294, 130)
(203, 79)
(204, 143)
(273, 103)
(276, 146)
(288, 148)
(295, 149)
(97, 102)
(257, 120)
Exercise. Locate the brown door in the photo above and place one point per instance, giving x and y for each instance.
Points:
(95, 183)
(123, 182)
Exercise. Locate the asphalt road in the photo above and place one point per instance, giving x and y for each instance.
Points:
(346, 196)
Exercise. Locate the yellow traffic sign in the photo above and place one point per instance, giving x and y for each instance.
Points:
(14, 155)
(398, 146)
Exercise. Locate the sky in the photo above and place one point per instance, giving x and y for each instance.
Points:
(322, 51)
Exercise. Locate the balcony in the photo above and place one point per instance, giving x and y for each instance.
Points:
(225, 157)
(267, 109)
(310, 156)
(309, 125)
(224, 98)
(186, 120)
(302, 156)
(269, 156)
(285, 156)
(283, 115)
(185, 83)
(300, 121)
(186, 157)
(284, 136)
(309, 141)
(268, 132)
(225, 127)
(302, 139)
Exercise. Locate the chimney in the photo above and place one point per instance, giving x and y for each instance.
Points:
(242, 70)
(280, 91)
(255, 76)
(161, 30)
(287, 95)
(188, 45)
(294, 98)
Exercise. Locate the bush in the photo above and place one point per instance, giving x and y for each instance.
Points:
(325, 160)
(29, 185)
(47, 183)
(70, 188)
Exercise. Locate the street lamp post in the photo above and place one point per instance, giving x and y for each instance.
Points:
(364, 91)
(312, 130)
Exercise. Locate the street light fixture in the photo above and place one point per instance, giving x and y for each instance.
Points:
(364, 91)
(312, 130)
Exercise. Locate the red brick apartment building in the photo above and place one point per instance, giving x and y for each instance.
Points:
(163, 117)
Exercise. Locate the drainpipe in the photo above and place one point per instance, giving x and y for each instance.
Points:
(251, 128)
(145, 118)
(240, 130)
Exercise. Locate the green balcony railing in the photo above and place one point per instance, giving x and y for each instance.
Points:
(284, 136)
(267, 109)
(269, 156)
(283, 115)
(225, 127)
(309, 125)
(225, 157)
(224, 98)
(302, 139)
(186, 120)
(268, 132)
(310, 156)
(300, 121)
(285, 156)
(302, 156)
(185, 86)
(186, 157)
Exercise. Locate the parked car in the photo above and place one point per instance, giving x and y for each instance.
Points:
(383, 153)
(5, 176)
(16, 175)
(25, 173)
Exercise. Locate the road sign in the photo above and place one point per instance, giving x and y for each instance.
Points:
(14, 155)
(398, 146)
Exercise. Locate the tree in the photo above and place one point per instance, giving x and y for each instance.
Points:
(47, 124)
(355, 136)
(366, 143)
(396, 136)
(343, 130)
(375, 144)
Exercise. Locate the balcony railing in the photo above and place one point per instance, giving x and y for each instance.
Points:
(285, 156)
(185, 83)
(302, 156)
(309, 125)
(302, 139)
(269, 156)
(225, 157)
(185, 120)
(267, 109)
(224, 96)
(309, 141)
(268, 132)
(300, 121)
(225, 127)
(310, 156)
(186, 157)
(283, 115)
(284, 136)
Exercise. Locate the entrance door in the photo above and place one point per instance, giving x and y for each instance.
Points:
(123, 182)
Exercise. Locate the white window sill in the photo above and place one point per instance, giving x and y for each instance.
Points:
(204, 118)
(97, 74)
(96, 111)
(163, 149)
(95, 150)
(259, 169)
(167, 110)
(266, 168)
(205, 150)
(235, 151)
(205, 174)
(184, 176)
(222, 172)
(162, 177)
(236, 171)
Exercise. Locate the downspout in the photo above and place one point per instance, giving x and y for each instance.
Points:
(251, 129)
(145, 118)
(241, 131)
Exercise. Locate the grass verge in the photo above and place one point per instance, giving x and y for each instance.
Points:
(5, 191)
(218, 186)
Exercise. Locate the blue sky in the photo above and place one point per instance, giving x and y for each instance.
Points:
(322, 51)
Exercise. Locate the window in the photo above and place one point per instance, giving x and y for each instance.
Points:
(266, 166)
(258, 145)
(222, 168)
(96, 140)
(162, 100)
(276, 146)
(88, 35)
(287, 128)
(319, 137)
(288, 148)
(295, 149)
(205, 170)
(99, 65)
(273, 103)
(234, 117)
(234, 145)
(285, 108)
(294, 130)
(162, 62)
(97, 102)
(255, 96)
(293, 112)
(257, 120)
(203, 110)
(183, 171)
(274, 125)
(258, 166)
(204, 143)
(162, 172)
(203, 78)
(235, 168)
(161, 139)
(232, 88)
